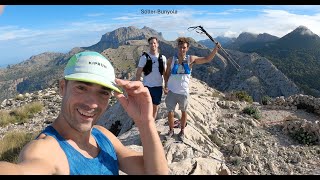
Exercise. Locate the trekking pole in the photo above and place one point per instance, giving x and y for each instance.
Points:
(232, 61)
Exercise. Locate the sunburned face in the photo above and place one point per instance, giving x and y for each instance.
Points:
(182, 49)
(83, 103)
(153, 45)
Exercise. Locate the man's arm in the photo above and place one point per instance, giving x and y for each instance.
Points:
(141, 64)
(138, 105)
(138, 73)
(164, 65)
(167, 75)
(34, 159)
(202, 60)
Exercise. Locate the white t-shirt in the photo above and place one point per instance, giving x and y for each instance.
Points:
(154, 78)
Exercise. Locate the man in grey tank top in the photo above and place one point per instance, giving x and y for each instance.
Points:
(74, 145)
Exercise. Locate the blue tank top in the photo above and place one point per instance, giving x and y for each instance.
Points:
(106, 163)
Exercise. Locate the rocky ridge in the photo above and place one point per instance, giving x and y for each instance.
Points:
(220, 139)
(124, 46)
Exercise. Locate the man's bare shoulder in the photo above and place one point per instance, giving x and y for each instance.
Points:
(43, 156)
(193, 59)
(42, 146)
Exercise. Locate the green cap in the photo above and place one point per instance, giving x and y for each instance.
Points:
(92, 67)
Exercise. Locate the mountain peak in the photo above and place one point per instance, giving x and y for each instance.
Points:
(248, 34)
(121, 35)
(246, 37)
(303, 30)
(299, 38)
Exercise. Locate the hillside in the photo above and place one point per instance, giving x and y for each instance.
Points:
(220, 138)
(38, 72)
(296, 54)
(123, 47)
(257, 76)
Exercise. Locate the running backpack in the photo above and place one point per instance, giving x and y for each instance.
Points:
(184, 64)
(147, 69)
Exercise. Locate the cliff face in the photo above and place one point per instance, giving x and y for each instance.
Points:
(257, 76)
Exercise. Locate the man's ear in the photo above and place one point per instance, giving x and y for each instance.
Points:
(62, 86)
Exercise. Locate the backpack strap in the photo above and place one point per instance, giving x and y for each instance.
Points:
(147, 69)
(185, 64)
(147, 56)
(160, 60)
(175, 62)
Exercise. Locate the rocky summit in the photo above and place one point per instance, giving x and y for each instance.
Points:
(219, 139)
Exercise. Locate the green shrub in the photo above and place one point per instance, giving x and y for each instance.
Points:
(243, 96)
(20, 115)
(6, 118)
(34, 107)
(252, 111)
(215, 94)
(304, 137)
(236, 161)
(239, 96)
(265, 100)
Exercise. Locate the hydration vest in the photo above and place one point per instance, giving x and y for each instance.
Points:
(147, 69)
(184, 64)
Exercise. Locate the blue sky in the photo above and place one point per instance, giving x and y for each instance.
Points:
(27, 30)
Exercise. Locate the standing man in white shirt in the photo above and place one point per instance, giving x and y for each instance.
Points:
(153, 66)
(177, 78)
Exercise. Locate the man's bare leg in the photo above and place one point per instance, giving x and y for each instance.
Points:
(171, 123)
(183, 120)
(170, 119)
(155, 111)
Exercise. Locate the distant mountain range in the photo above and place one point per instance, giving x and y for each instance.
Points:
(224, 41)
(123, 46)
(296, 54)
(243, 39)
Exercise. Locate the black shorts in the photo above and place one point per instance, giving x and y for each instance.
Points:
(156, 94)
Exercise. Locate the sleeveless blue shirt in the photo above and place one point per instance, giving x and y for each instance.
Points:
(106, 163)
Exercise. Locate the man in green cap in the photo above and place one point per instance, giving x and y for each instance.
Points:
(74, 145)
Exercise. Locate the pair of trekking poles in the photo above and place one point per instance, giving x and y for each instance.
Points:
(201, 30)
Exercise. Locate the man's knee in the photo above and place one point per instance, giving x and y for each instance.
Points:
(170, 112)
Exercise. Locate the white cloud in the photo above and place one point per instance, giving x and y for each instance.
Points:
(126, 18)
(230, 23)
(231, 34)
(95, 14)
(16, 33)
(274, 22)
(229, 12)
(307, 32)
